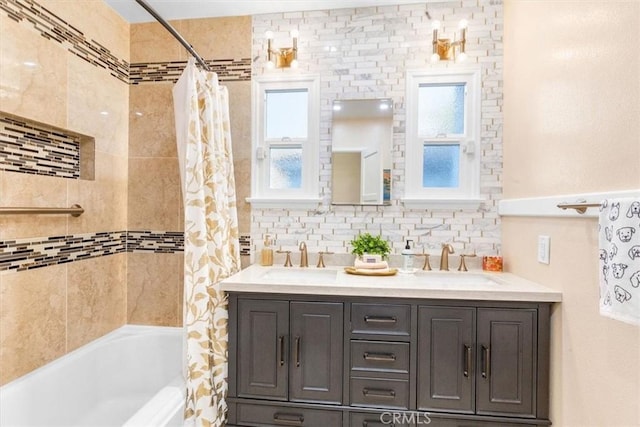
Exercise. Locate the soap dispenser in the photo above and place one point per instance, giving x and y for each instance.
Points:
(266, 258)
(407, 258)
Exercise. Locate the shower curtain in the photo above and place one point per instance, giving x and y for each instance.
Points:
(211, 251)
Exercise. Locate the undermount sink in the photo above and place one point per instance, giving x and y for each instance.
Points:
(297, 275)
(462, 278)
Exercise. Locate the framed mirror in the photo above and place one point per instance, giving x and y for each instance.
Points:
(362, 134)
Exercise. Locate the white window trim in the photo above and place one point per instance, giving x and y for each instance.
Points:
(308, 195)
(468, 194)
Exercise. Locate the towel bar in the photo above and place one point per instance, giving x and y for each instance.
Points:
(580, 206)
(75, 210)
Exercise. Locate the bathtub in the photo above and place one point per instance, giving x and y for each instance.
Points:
(130, 377)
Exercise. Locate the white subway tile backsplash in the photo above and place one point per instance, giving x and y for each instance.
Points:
(373, 48)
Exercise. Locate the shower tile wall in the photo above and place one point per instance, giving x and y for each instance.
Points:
(69, 67)
(49, 311)
(155, 200)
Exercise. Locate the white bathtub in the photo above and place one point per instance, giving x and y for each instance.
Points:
(130, 377)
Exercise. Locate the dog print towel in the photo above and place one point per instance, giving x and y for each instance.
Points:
(619, 238)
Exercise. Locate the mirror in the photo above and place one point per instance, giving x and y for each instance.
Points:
(362, 133)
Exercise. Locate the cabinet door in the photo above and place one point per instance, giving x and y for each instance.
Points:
(316, 352)
(445, 359)
(506, 361)
(263, 327)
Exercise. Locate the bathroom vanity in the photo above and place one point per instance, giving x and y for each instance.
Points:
(319, 347)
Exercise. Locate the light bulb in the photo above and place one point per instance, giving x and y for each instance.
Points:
(268, 35)
(435, 58)
(435, 25)
(294, 33)
(461, 57)
(463, 24)
(294, 63)
(270, 65)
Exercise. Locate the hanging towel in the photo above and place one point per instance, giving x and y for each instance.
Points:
(619, 244)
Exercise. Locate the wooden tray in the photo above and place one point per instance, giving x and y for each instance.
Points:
(353, 270)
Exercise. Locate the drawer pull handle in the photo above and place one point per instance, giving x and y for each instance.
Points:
(379, 392)
(380, 319)
(369, 423)
(281, 347)
(467, 360)
(486, 362)
(288, 419)
(380, 357)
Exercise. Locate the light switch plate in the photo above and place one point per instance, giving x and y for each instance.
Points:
(544, 247)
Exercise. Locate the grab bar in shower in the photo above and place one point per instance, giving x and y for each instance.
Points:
(74, 210)
(580, 206)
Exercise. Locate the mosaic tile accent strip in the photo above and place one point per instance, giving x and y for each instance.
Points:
(29, 148)
(54, 28)
(245, 244)
(27, 254)
(228, 70)
(155, 241)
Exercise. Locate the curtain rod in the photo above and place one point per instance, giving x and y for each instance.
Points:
(173, 32)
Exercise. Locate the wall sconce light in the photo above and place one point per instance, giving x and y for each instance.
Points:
(445, 49)
(284, 57)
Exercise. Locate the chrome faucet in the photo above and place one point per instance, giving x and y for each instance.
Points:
(444, 257)
(304, 259)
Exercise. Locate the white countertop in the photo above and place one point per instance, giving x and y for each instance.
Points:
(470, 285)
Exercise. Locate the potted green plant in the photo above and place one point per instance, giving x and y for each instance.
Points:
(372, 245)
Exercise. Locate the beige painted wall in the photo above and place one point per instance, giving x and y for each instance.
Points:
(49, 311)
(572, 125)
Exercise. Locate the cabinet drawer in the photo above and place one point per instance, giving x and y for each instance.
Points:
(381, 419)
(380, 393)
(268, 415)
(379, 356)
(380, 319)
(439, 422)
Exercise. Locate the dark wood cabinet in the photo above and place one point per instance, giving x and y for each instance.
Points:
(507, 342)
(477, 360)
(289, 351)
(263, 334)
(315, 371)
(354, 361)
(446, 374)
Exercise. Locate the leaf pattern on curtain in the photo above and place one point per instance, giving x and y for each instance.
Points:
(212, 250)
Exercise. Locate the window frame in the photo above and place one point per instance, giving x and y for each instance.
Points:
(467, 194)
(308, 193)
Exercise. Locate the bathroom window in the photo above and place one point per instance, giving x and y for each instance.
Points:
(285, 141)
(442, 139)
